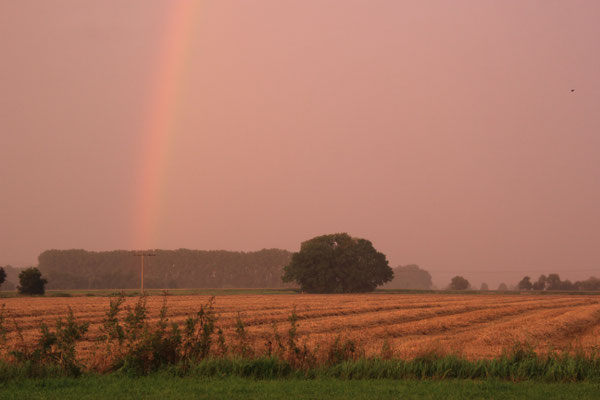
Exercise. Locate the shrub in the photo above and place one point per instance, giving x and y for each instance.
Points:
(55, 348)
(31, 281)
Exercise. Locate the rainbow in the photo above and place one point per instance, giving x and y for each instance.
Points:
(159, 120)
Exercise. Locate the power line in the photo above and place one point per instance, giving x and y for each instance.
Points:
(503, 271)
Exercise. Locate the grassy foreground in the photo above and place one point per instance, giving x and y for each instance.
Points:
(163, 386)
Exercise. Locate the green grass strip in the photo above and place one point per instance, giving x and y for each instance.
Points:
(531, 367)
(166, 386)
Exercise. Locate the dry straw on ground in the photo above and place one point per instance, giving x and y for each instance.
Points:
(472, 326)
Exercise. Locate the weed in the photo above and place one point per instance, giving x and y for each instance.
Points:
(341, 351)
(111, 329)
(242, 348)
(293, 349)
(3, 329)
(55, 348)
(387, 353)
(197, 338)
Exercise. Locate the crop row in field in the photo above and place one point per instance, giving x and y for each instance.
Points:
(469, 325)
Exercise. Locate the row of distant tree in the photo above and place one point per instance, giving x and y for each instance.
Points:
(460, 283)
(410, 277)
(553, 282)
(413, 277)
(80, 269)
(550, 282)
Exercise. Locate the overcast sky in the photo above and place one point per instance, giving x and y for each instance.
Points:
(446, 132)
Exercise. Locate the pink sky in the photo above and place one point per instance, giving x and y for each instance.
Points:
(446, 132)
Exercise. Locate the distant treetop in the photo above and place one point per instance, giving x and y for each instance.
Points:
(410, 277)
(459, 283)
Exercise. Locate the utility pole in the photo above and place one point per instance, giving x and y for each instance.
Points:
(142, 255)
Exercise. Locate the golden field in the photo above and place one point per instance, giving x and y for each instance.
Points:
(473, 326)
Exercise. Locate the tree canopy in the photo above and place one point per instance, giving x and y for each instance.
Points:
(459, 283)
(525, 284)
(338, 263)
(540, 284)
(31, 281)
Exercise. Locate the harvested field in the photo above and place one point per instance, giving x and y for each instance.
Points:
(473, 326)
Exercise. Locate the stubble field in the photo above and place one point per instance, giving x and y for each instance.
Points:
(472, 326)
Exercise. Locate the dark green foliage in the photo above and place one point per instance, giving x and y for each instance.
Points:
(2, 275)
(135, 319)
(341, 350)
(80, 269)
(163, 385)
(338, 263)
(3, 329)
(540, 284)
(274, 346)
(553, 282)
(242, 346)
(518, 365)
(592, 283)
(111, 329)
(459, 283)
(197, 340)
(149, 348)
(31, 282)
(293, 348)
(135, 345)
(221, 343)
(525, 284)
(54, 348)
(299, 356)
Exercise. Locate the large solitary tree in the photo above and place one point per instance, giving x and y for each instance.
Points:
(338, 263)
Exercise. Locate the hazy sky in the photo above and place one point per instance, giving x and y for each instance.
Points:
(446, 132)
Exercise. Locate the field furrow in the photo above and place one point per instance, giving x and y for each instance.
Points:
(472, 325)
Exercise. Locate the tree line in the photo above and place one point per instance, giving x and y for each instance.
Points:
(553, 282)
(550, 282)
(410, 277)
(169, 269)
(335, 263)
